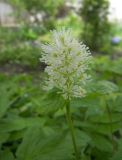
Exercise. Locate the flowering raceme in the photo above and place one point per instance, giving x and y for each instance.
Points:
(67, 64)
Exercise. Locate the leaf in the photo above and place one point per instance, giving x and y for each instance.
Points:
(118, 153)
(3, 137)
(101, 143)
(57, 146)
(18, 123)
(117, 104)
(48, 103)
(99, 127)
(41, 146)
(85, 157)
(105, 87)
(103, 63)
(117, 156)
(95, 109)
(116, 67)
(89, 101)
(4, 100)
(6, 155)
(16, 135)
(104, 118)
(100, 155)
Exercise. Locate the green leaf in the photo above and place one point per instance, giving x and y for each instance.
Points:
(116, 67)
(86, 102)
(56, 146)
(85, 157)
(118, 153)
(117, 104)
(101, 143)
(17, 123)
(106, 87)
(104, 118)
(100, 155)
(3, 137)
(49, 103)
(4, 100)
(99, 127)
(6, 155)
(46, 147)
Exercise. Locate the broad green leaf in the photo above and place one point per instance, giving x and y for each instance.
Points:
(41, 146)
(18, 123)
(56, 146)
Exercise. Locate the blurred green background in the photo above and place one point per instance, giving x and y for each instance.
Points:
(24, 25)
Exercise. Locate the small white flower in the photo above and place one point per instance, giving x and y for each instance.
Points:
(67, 64)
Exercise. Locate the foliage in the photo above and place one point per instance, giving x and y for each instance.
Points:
(96, 26)
(19, 47)
(32, 122)
(49, 8)
(28, 112)
(38, 5)
(70, 20)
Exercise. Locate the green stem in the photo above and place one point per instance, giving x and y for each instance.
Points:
(70, 123)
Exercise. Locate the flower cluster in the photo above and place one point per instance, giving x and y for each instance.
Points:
(67, 64)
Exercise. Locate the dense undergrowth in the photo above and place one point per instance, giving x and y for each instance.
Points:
(33, 123)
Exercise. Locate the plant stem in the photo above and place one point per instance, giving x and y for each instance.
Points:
(71, 128)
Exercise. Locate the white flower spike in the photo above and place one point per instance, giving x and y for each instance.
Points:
(67, 64)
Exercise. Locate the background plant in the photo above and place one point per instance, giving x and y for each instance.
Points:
(27, 111)
(96, 25)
